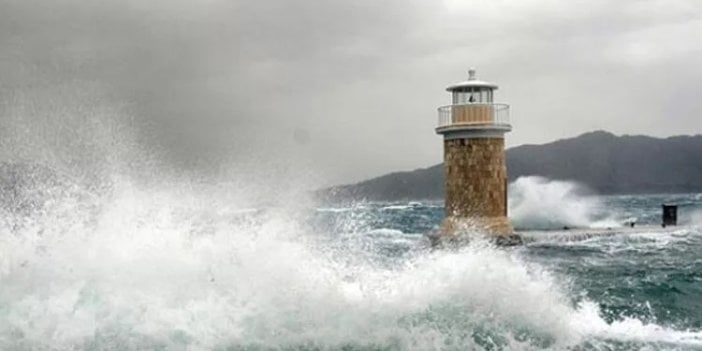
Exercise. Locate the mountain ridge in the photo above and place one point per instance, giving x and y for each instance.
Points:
(600, 160)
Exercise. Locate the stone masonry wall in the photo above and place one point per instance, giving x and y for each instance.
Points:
(475, 181)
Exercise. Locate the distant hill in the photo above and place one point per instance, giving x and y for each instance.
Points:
(604, 162)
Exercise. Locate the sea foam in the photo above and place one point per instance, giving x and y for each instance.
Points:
(541, 203)
(165, 268)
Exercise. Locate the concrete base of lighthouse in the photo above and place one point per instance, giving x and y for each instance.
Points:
(490, 226)
(458, 231)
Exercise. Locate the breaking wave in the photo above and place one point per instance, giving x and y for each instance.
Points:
(540, 203)
(167, 268)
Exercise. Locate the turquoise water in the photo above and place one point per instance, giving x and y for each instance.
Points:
(171, 268)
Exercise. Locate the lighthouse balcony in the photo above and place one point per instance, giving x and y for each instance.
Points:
(474, 116)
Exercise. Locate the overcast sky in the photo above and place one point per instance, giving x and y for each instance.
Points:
(346, 89)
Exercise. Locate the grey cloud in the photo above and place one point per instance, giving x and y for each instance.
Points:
(238, 83)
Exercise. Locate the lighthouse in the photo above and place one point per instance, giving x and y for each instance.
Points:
(475, 172)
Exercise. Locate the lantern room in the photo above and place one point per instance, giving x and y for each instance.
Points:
(472, 91)
(472, 108)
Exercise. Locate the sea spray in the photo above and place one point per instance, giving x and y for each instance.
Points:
(540, 203)
(691, 216)
(167, 268)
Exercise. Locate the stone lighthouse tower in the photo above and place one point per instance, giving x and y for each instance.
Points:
(474, 128)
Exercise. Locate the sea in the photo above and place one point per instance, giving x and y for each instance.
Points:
(171, 267)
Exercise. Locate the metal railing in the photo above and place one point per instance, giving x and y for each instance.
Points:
(474, 114)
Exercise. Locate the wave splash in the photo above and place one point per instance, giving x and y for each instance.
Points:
(540, 203)
(170, 268)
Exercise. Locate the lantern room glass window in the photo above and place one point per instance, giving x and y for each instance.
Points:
(473, 95)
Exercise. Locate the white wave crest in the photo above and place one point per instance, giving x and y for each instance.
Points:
(540, 203)
(164, 270)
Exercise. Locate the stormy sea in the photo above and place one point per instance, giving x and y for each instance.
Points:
(172, 266)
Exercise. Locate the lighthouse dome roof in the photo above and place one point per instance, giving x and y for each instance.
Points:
(472, 82)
